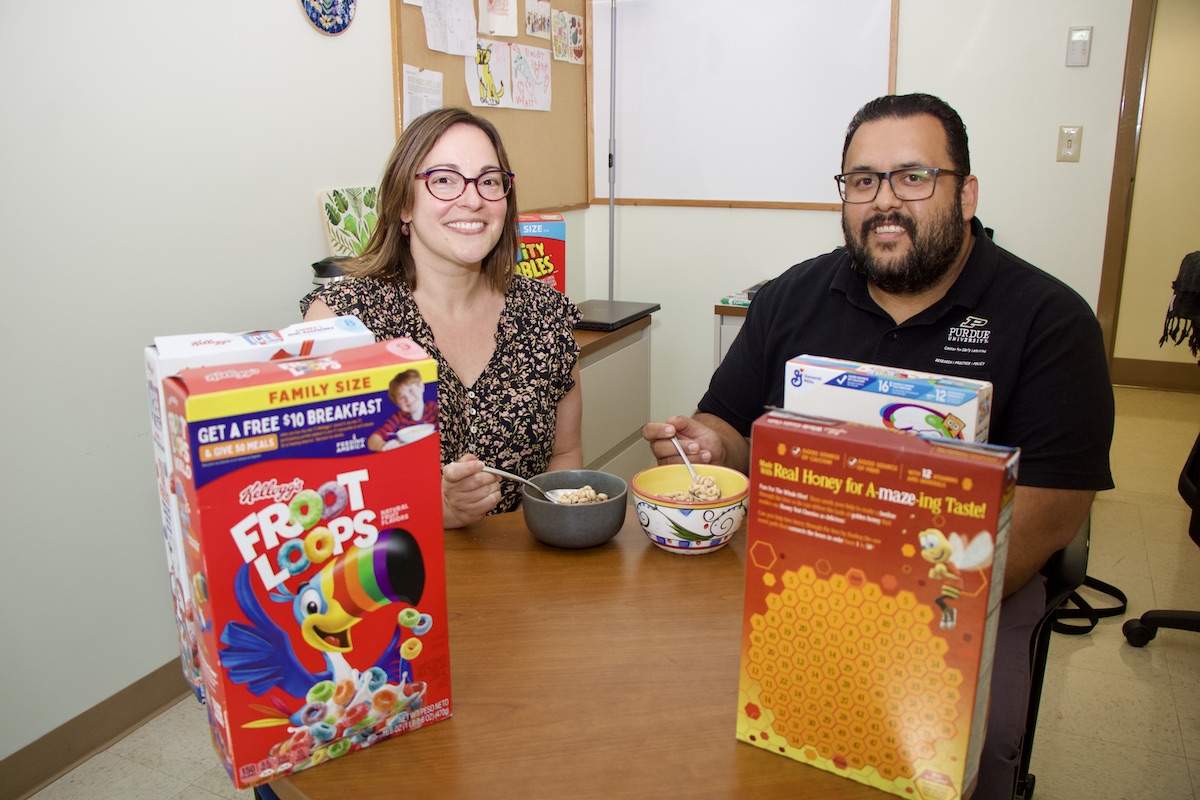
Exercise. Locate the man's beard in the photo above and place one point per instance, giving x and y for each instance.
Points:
(935, 247)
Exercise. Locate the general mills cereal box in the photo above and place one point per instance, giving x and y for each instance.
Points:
(874, 570)
(543, 247)
(165, 358)
(309, 497)
(920, 402)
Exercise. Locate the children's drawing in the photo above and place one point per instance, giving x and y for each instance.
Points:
(537, 18)
(531, 78)
(490, 89)
(559, 34)
(574, 39)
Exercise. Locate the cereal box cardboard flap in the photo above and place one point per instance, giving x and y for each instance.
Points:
(305, 370)
(290, 342)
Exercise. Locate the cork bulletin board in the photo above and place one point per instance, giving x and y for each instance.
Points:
(548, 149)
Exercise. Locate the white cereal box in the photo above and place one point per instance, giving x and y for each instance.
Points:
(165, 358)
(923, 403)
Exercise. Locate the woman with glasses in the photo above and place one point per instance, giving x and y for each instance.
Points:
(439, 269)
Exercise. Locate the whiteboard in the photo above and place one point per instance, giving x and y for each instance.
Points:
(743, 101)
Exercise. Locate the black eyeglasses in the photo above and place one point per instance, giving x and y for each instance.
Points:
(448, 184)
(913, 183)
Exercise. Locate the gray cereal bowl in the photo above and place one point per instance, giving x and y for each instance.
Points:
(575, 526)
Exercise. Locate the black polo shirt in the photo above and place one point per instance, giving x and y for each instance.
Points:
(1004, 321)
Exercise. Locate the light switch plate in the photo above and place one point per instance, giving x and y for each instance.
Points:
(1070, 140)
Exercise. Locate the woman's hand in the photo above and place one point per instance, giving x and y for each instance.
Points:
(468, 493)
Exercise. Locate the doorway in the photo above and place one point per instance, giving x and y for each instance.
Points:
(1153, 203)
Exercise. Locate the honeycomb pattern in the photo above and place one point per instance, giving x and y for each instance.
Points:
(852, 676)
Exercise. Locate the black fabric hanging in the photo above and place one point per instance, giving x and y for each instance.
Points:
(1183, 316)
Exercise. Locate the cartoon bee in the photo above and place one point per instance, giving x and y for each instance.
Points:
(949, 556)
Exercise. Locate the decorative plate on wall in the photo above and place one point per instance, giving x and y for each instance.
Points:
(329, 16)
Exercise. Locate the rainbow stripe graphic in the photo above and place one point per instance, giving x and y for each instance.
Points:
(367, 578)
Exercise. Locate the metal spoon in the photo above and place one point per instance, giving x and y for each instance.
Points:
(552, 495)
(691, 470)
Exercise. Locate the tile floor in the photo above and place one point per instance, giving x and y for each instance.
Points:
(1116, 721)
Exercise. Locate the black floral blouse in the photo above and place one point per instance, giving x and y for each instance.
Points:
(507, 418)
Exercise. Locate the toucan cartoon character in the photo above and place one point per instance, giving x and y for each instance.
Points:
(949, 556)
(259, 653)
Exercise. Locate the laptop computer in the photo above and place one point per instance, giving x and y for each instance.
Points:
(608, 315)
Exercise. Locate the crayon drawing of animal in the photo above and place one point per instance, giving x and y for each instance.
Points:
(488, 93)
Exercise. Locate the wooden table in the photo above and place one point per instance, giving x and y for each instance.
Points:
(609, 672)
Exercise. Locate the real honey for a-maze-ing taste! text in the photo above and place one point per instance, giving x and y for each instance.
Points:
(873, 579)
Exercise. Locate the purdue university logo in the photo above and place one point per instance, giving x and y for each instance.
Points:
(972, 330)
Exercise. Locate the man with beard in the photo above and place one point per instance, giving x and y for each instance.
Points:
(921, 286)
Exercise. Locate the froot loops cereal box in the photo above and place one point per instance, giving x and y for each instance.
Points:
(165, 358)
(874, 569)
(315, 555)
(924, 403)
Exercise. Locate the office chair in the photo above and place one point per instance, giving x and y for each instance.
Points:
(1138, 632)
(1065, 573)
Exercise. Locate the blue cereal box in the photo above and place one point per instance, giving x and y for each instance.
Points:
(316, 559)
(543, 249)
(923, 403)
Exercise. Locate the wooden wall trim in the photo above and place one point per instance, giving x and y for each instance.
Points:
(58, 752)
(1120, 198)
(1167, 375)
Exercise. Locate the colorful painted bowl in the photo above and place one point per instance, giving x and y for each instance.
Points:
(683, 527)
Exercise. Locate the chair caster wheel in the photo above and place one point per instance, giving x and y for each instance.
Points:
(1138, 634)
(1025, 788)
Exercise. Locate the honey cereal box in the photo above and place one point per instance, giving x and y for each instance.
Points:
(543, 249)
(920, 402)
(874, 571)
(166, 357)
(309, 497)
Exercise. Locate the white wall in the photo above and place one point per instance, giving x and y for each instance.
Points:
(1001, 64)
(159, 165)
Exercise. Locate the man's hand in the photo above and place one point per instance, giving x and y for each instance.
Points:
(706, 439)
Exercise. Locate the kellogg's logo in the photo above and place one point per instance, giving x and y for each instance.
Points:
(270, 490)
(230, 374)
